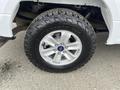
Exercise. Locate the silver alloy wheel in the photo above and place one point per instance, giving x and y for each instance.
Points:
(60, 47)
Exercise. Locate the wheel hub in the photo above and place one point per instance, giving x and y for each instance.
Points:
(60, 48)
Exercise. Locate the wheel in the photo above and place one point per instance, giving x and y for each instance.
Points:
(60, 40)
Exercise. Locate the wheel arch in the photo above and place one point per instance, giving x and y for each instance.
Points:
(108, 12)
(105, 6)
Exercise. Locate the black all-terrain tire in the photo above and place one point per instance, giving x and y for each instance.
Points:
(57, 19)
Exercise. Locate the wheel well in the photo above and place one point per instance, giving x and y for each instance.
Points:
(29, 10)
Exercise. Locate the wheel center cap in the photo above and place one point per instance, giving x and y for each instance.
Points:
(60, 48)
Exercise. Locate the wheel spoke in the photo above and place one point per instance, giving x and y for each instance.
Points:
(57, 57)
(51, 41)
(74, 46)
(69, 55)
(48, 52)
(65, 37)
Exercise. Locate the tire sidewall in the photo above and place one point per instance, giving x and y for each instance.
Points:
(76, 29)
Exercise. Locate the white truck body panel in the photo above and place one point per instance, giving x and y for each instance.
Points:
(110, 11)
(8, 11)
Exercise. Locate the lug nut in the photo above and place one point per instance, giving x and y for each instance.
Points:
(64, 51)
(66, 47)
(59, 52)
(56, 45)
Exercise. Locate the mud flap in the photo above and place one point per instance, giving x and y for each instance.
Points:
(3, 41)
